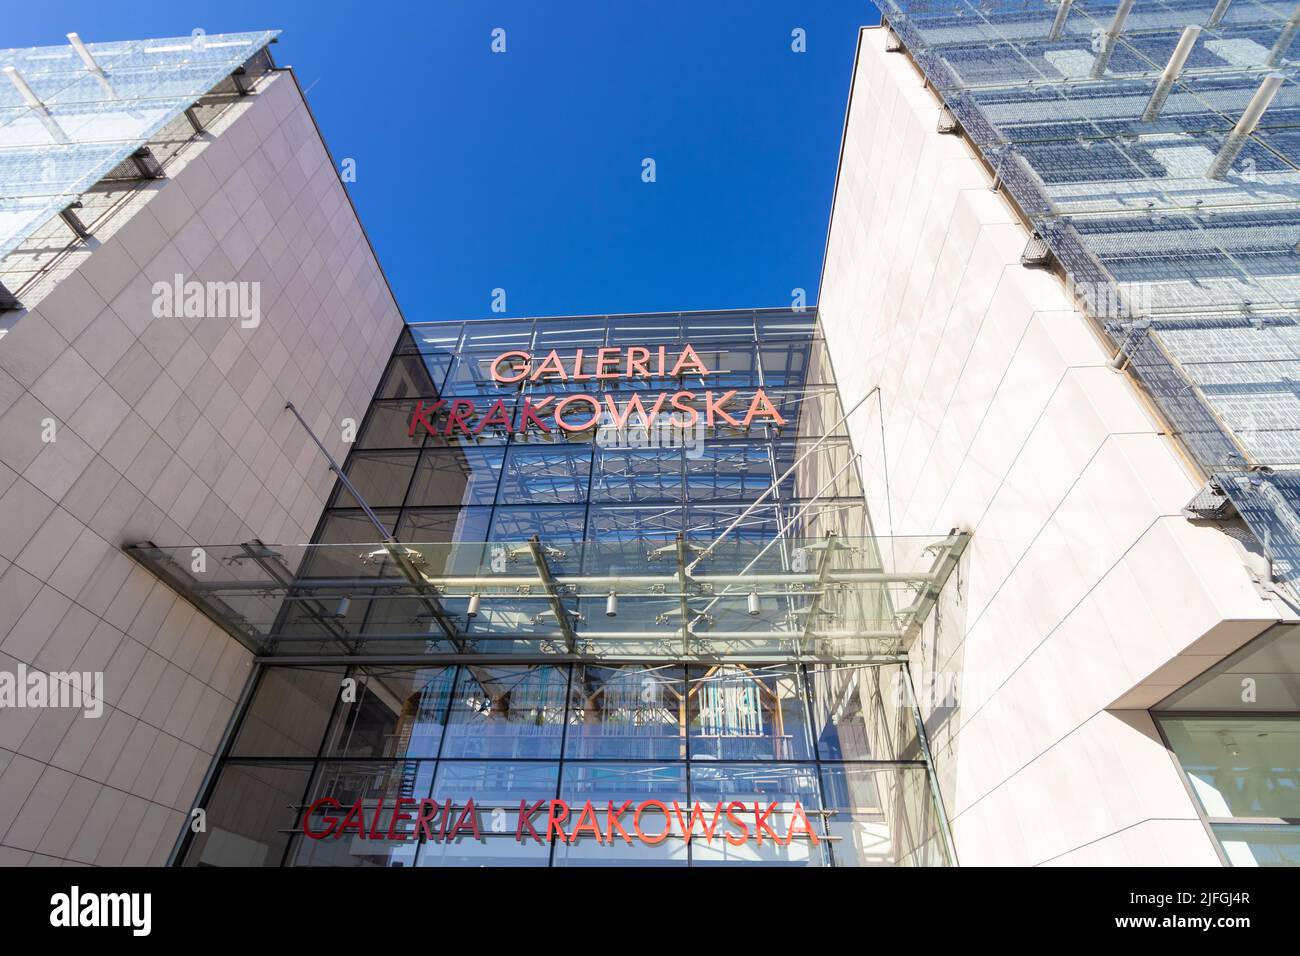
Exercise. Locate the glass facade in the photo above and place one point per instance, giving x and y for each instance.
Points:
(772, 742)
(1152, 147)
(524, 503)
(1235, 732)
(67, 122)
(680, 628)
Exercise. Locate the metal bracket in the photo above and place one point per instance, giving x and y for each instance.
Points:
(74, 222)
(1210, 504)
(1037, 252)
(147, 164)
(8, 300)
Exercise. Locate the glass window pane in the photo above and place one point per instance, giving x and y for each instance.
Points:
(389, 426)
(742, 712)
(290, 709)
(862, 712)
(471, 374)
(414, 376)
(629, 711)
(639, 795)
(883, 816)
(355, 811)
(650, 331)
(251, 815)
(398, 712)
(460, 476)
(429, 525)
(346, 528)
(1259, 845)
(1240, 767)
(546, 474)
(507, 711)
(775, 808)
(559, 529)
(556, 334)
(638, 475)
(381, 478)
(439, 338)
(502, 336)
(498, 790)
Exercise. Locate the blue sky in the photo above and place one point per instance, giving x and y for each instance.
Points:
(523, 170)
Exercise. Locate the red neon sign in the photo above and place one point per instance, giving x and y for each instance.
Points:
(649, 822)
(580, 412)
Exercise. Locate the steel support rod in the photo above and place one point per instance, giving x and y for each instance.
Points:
(597, 584)
(1284, 39)
(396, 550)
(875, 390)
(1062, 14)
(1240, 134)
(553, 595)
(1109, 39)
(1177, 60)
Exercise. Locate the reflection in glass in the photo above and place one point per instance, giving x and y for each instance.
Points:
(412, 376)
(546, 474)
(507, 710)
(638, 474)
(456, 476)
(1240, 767)
(366, 794)
(381, 478)
(388, 426)
(251, 815)
(861, 712)
(628, 711)
(398, 712)
(498, 789)
(742, 712)
(288, 712)
(636, 796)
(883, 816)
(1259, 845)
(779, 806)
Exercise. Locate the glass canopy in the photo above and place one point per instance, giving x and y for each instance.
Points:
(67, 119)
(785, 598)
(1155, 148)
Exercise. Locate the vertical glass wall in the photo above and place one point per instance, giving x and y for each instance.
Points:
(597, 487)
(449, 453)
(716, 752)
(1236, 734)
(463, 755)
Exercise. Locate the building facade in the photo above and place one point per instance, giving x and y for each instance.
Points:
(1062, 243)
(990, 559)
(125, 417)
(609, 625)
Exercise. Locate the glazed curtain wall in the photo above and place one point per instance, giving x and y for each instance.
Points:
(498, 734)
(594, 495)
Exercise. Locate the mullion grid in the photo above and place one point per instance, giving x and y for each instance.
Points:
(815, 763)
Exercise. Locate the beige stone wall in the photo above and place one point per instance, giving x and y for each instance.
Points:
(1085, 596)
(171, 430)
